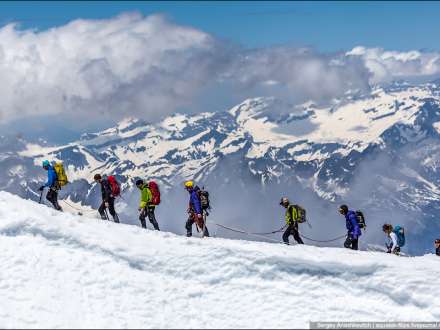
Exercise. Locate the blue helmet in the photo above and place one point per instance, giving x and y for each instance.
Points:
(46, 163)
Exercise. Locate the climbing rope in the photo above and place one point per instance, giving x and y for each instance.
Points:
(246, 233)
(76, 208)
(276, 231)
(271, 232)
(260, 235)
(324, 241)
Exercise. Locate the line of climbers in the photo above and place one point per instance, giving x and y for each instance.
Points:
(354, 222)
(199, 205)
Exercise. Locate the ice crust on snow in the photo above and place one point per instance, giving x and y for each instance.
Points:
(61, 270)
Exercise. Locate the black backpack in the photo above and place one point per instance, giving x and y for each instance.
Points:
(361, 220)
(203, 197)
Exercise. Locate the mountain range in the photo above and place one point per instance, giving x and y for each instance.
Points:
(378, 152)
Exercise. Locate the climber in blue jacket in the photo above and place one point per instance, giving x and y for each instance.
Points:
(353, 229)
(194, 210)
(52, 193)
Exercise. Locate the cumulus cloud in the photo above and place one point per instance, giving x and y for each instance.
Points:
(128, 64)
(149, 67)
(301, 74)
(386, 66)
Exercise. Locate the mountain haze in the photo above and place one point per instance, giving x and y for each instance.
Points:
(378, 152)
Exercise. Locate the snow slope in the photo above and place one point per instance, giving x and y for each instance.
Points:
(60, 270)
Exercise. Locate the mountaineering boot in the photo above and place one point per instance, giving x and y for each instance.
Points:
(206, 232)
(52, 197)
(347, 243)
(116, 218)
(155, 225)
(152, 218)
(57, 206)
(143, 223)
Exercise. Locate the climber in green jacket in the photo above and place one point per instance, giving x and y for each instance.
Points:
(146, 208)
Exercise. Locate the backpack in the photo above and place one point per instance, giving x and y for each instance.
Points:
(114, 184)
(361, 219)
(203, 197)
(154, 188)
(61, 174)
(400, 233)
(301, 213)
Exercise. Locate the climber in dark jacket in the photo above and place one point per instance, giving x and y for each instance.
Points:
(291, 217)
(108, 200)
(353, 229)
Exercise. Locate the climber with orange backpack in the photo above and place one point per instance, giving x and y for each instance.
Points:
(150, 198)
(110, 189)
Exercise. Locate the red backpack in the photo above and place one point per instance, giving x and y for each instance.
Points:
(114, 184)
(155, 199)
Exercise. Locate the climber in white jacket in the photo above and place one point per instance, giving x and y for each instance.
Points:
(392, 242)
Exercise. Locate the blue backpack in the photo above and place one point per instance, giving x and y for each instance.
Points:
(400, 233)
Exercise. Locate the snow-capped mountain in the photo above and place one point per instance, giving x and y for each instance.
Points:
(65, 271)
(379, 152)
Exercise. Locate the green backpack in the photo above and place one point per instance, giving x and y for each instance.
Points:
(301, 213)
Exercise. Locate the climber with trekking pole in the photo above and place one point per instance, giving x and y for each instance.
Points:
(56, 178)
(110, 189)
(294, 215)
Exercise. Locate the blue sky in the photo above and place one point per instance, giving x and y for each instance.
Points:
(326, 26)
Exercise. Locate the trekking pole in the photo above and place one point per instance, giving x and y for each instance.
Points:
(106, 214)
(204, 223)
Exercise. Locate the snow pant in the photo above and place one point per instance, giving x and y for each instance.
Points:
(148, 211)
(111, 209)
(351, 243)
(52, 196)
(292, 229)
(191, 219)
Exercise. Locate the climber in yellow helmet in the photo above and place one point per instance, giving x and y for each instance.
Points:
(194, 210)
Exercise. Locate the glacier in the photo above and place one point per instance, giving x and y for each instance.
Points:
(59, 270)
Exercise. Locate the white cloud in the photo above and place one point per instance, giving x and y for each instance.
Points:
(147, 67)
(389, 65)
(126, 64)
(300, 74)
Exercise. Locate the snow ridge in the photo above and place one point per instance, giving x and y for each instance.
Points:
(61, 270)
